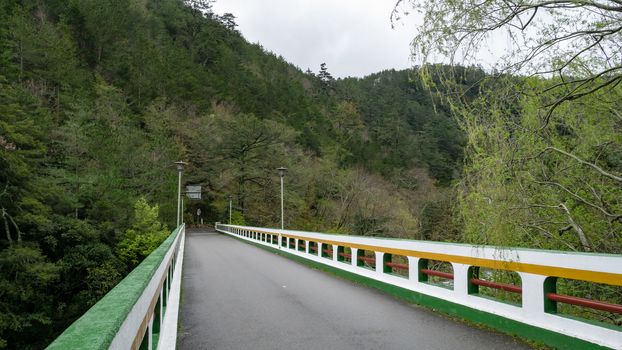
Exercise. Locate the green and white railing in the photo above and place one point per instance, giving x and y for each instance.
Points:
(141, 311)
(402, 267)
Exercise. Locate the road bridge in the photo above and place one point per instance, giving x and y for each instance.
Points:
(261, 288)
(237, 296)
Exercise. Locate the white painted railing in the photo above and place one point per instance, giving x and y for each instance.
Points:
(141, 311)
(537, 269)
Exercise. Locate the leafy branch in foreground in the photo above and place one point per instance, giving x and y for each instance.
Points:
(580, 42)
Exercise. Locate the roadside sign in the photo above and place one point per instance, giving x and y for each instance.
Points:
(193, 192)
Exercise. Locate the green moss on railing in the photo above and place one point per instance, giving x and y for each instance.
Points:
(99, 325)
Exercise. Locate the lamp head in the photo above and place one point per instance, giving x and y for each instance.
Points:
(180, 165)
(282, 171)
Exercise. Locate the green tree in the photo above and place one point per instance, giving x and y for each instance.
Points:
(26, 278)
(237, 218)
(326, 78)
(553, 187)
(249, 149)
(145, 234)
(21, 149)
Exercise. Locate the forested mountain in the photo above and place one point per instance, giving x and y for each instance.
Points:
(99, 97)
(407, 125)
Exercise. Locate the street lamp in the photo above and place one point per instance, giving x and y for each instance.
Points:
(180, 169)
(282, 171)
(230, 204)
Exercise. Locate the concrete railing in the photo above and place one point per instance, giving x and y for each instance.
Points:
(534, 316)
(138, 313)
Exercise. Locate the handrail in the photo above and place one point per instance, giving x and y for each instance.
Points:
(538, 271)
(593, 304)
(441, 274)
(133, 311)
(497, 285)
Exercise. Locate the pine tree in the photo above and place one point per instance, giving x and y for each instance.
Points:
(326, 78)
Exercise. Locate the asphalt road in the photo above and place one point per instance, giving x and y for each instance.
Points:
(237, 296)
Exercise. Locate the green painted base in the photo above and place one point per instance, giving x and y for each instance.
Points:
(460, 312)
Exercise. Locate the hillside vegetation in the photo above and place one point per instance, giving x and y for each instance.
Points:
(99, 97)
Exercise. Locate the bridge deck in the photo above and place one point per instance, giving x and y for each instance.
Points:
(236, 296)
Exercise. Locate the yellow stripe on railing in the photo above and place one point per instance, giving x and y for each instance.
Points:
(551, 271)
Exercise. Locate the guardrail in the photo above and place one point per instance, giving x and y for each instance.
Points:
(535, 317)
(138, 313)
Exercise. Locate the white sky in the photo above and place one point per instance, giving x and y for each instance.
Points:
(353, 37)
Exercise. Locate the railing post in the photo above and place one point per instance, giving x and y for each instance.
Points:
(413, 269)
(162, 306)
(150, 334)
(533, 294)
(354, 257)
(379, 262)
(335, 252)
(461, 278)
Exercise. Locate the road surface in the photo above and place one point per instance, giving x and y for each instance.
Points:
(237, 296)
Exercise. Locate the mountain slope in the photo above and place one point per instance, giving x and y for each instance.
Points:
(99, 97)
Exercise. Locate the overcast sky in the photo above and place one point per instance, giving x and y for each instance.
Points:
(353, 37)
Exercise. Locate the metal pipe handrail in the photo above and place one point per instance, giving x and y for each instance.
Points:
(497, 285)
(441, 274)
(589, 303)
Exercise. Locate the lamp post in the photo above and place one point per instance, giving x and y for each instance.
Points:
(230, 205)
(282, 171)
(180, 169)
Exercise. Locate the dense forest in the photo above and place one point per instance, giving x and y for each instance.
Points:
(99, 98)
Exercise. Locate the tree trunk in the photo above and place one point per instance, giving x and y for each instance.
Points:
(6, 227)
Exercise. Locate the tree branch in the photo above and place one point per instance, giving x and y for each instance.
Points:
(582, 237)
(581, 199)
(593, 166)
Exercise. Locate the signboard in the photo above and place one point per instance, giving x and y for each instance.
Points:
(193, 192)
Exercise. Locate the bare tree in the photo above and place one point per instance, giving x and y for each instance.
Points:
(578, 41)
